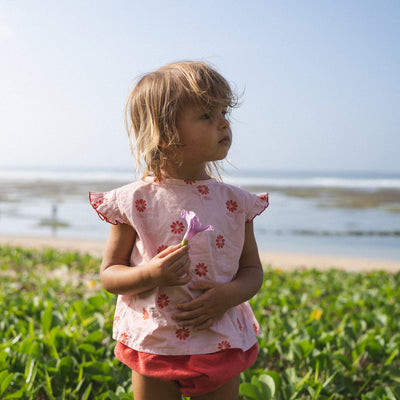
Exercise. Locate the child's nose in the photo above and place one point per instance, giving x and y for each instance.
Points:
(223, 122)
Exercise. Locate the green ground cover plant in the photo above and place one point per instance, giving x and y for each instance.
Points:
(325, 334)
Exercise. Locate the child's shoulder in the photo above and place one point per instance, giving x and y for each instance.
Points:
(233, 189)
(246, 195)
(134, 186)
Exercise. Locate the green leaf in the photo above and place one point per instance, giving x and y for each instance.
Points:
(66, 366)
(322, 360)
(97, 368)
(94, 337)
(374, 349)
(389, 394)
(370, 396)
(31, 374)
(86, 393)
(269, 382)
(48, 388)
(250, 390)
(47, 318)
(5, 380)
(112, 396)
(276, 377)
(102, 378)
(87, 348)
(19, 394)
(392, 356)
(306, 348)
(96, 301)
(3, 360)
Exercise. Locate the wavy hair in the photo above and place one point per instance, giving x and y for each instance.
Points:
(155, 102)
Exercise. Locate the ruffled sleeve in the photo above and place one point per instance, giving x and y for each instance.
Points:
(256, 205)
(106, 206)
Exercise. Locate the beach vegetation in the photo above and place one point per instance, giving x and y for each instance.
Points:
(53, 223)
(347, 198)
(325, 334)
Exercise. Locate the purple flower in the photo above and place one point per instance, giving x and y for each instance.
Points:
(194, 226)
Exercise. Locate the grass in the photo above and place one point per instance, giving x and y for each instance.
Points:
(325, 335)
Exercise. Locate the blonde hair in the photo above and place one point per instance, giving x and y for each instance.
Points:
(153, 106)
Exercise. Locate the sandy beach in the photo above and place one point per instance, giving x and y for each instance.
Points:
(283, 261)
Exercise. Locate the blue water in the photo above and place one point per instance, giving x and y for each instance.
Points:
(290, 224)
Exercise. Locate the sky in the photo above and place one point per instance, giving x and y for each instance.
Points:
(319, 80)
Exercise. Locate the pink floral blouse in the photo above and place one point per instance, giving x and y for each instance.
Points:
(153, 208)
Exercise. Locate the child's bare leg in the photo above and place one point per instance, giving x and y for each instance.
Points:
(228, 391)
(147, 388)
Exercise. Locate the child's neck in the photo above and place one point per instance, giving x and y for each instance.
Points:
(185, 173)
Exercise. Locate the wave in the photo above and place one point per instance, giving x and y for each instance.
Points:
(81, 175)
(317, 182)
(262, 179)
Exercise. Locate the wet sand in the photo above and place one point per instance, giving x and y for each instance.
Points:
(283, 261)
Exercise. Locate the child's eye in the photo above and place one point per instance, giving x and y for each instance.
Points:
(206, 116)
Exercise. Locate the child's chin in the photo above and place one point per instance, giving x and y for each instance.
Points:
(220, 156)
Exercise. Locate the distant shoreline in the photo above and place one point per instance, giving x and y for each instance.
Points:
(386, 198)
(281, 261)
(364, 180)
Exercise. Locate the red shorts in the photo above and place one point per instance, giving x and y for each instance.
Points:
(196, 374)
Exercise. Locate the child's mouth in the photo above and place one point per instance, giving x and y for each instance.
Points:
(225, 140)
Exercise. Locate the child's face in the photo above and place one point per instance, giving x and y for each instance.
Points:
(204, 136)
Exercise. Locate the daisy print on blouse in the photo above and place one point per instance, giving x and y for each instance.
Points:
(231, 206)
(161, 248)
(182, 333)
(220, 241)
(224, 345)
(140, 205)
(203, 191)
(201, 270)
(177, 227)
(162, 301)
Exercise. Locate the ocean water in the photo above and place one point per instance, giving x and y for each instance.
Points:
(50, 202)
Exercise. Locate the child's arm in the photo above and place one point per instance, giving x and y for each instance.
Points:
(203, 311)
(168, 268)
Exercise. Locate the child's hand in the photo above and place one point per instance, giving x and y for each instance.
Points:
(171, 266)
(203, 311)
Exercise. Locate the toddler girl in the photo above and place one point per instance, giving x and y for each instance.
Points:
(182, 320)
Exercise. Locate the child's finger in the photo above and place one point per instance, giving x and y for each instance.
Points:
(190, 305)
(189, 313)
(168, 250)
(184, 279)
(173, 253)
(202, 285)
(191, 319)
(182, 266)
